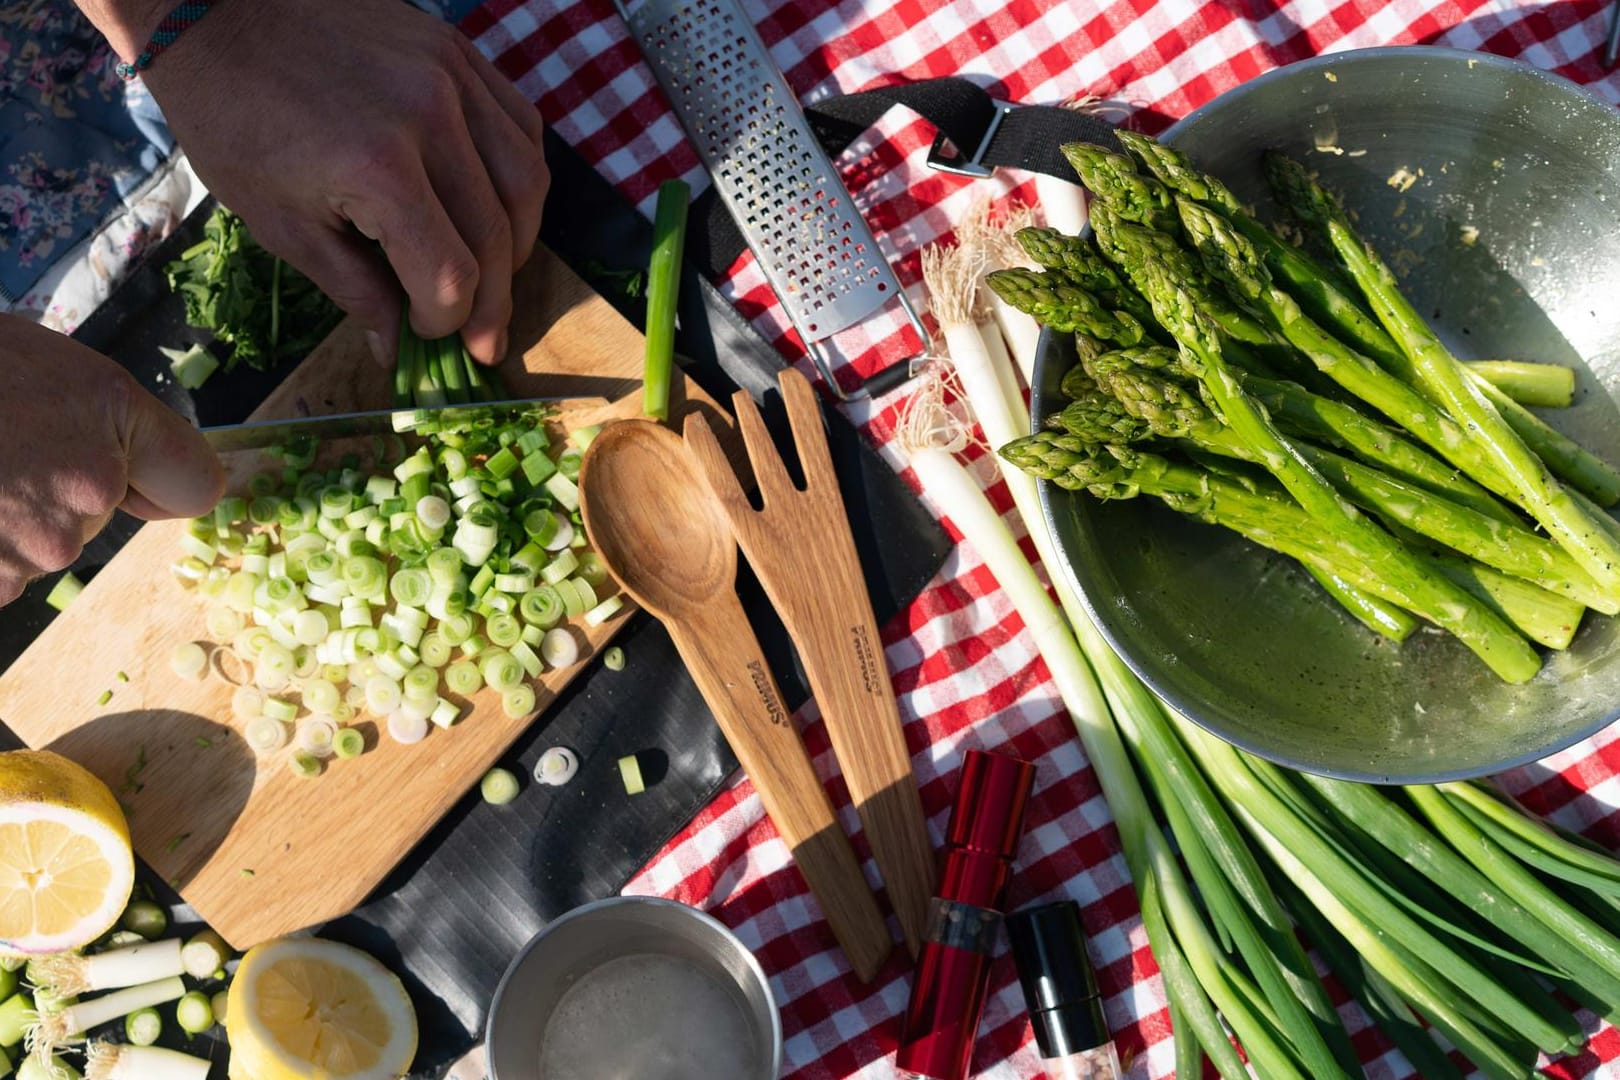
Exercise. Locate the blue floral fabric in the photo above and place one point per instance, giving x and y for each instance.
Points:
(76, 142)
(74, 139)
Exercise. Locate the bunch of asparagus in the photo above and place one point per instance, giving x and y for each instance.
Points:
(1310, 408)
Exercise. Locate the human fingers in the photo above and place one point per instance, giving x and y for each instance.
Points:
(167, 462)
(468, 193)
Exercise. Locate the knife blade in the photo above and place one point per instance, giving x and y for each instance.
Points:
(258, 434)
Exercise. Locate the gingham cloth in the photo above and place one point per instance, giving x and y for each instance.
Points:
(965, 670)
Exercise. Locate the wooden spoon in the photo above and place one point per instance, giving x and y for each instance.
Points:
(661, 534)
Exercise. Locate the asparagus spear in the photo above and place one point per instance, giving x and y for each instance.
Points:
(1167, 409)
(1133, 196)
(1299, 412)
(1448, 382)
(1079, 261)
(1267, 517)
(1331, 302)
(1054, 301)
(1549, 386)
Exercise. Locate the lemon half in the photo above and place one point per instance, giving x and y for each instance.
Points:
(66, 869)
(311, 1009)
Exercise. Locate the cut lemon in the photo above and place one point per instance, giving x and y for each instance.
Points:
(310, 1009)
(66, 869)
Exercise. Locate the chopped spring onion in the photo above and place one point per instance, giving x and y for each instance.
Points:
(315, 735)
(604, 611)
(556, 766)
(422, 681)
(113, 1061)
(304, 764)
(561, 535)
(542, 607)
(348, 743)
(406, 729)
(464, 678)
(223, 623)
(220, 1001)
(266, 734)
(146, 919)
(194, 1013)
(382, 695)
(204, 954)
(498, 787)
(559, 568)
(279, 709)
(189, 661)
(143, 1026)
(501, 670)
(532, 665)
(518, 702)
(445, 713)
(613, 659)
(321, 696)
(434, 650)
(630, 773)
(503, 629)
(559, 648)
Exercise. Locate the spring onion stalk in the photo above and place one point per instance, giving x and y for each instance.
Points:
(194, 1013)
(1019, 332)
(52, 1031)
(663, 295)
(143, 1026)
(112, 1061)
(146, 919)
(70, 974)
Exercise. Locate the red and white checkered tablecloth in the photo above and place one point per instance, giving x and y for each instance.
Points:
(966, 673)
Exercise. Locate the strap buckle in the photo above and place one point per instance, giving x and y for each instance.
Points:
(973, 165)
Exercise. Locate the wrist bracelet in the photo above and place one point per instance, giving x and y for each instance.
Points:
(167, 32)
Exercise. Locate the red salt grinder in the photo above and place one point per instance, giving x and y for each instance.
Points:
(964, 919)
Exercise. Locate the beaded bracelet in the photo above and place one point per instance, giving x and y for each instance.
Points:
(167, 32)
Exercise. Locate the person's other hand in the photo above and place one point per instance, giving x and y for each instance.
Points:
(82, 439)
(325, 122)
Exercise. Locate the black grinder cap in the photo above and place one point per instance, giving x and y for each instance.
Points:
(1060, 989)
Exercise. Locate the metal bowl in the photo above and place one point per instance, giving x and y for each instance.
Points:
(634, 986)
(1504, 239)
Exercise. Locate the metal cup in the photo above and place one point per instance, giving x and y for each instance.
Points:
(598, 952)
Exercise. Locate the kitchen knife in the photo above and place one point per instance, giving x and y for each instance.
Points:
(258, 434)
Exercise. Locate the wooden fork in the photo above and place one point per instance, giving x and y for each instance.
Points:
(803, 552)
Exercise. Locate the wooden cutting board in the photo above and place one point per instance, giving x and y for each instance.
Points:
(257, 851)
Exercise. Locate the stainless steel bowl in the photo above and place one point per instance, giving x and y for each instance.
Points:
(1505, 237)
(638, 987)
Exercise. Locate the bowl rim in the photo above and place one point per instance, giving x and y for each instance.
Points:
(594, 907)
(1049, 492)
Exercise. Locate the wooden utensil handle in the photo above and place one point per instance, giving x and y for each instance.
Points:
(740, 690)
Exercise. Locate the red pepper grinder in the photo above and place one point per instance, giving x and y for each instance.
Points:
(942, 1018)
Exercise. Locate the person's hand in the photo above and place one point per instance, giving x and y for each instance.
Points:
(325, 122)
(82, 439)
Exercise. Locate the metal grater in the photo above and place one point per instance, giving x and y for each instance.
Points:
(792, 207)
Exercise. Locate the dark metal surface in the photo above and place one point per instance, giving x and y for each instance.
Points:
(457, 910)
(1242, 641)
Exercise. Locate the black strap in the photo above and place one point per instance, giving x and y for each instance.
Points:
(1025, 137)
